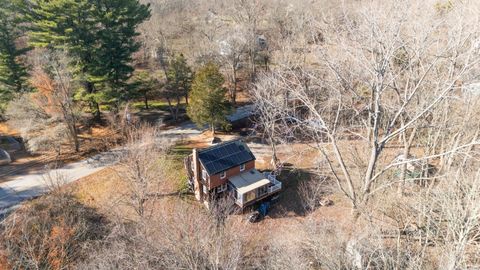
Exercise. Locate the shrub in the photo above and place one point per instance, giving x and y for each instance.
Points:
(49, 233)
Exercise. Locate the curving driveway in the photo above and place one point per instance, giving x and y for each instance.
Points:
(25, 187)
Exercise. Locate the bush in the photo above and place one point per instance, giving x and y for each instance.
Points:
(50, 233)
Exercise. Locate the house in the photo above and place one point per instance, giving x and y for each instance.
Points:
(228, 169)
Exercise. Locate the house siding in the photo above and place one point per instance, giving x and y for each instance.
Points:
(216, 181)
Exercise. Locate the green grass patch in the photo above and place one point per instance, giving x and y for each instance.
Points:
(177, 174)
(156, 105)
(180, 151)
(177, 155)
(105, 107)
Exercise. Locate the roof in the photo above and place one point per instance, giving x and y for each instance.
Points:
(242, 113)
(224, 156)
(248, 181)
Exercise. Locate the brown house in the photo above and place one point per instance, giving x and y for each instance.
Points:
(228, 169)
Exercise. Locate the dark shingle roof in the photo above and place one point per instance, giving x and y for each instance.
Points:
(224, 156)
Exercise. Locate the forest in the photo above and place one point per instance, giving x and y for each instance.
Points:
(367, 111)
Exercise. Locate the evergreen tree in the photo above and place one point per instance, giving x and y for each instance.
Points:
(208, 105)
(99, 35)
(179, 77)
(13, 72)
(69, 25)
(143, 85)
(118, 20)
(179, 83)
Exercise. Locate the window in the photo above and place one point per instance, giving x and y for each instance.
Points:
(223, 175)
(262, 190)
(204, 175)
(242, 167)
(249, 196)
(221, 188)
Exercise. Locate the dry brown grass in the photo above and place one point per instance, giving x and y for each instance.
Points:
(99, 189)
(102, 191)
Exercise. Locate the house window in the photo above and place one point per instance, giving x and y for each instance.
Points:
(262, 190)
(242, 167)
(221, 188)
(204, 175)
(223, 175)
(249, 196)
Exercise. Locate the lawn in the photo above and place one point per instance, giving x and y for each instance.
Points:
(104, 189)
(157, 105)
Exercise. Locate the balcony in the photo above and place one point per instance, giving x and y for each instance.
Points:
(252, 186)
(276, 185)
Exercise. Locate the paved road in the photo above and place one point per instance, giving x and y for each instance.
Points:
(28, 186)
(24, 187)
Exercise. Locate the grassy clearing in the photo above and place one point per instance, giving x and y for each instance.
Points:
(152, 105)
(178, 154)
(156, 105)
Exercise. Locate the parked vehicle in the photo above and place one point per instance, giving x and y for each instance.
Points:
(260, 213)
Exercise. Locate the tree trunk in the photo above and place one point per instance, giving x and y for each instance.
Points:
(145, 98)
(370, 169)
(253, 67)
(233, 93)
(176, 109)
(94, 106)
(170, 107)
(75, 139)
(407, 144)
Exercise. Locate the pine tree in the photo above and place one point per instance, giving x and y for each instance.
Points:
(69, 25)
(208, 105)
(143, 84)
(179, 82)
(13, 72)
(99, 35)
(118, 20)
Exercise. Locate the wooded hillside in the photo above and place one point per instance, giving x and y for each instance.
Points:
(370, 105)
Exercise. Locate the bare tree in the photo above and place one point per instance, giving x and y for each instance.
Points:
(232, 48)
(52, 232)
(142, 167)
(247, 13)
(181, 236)
(62, 91)
(37, 127)
(49, 116)
(312, 193)
(356, 87)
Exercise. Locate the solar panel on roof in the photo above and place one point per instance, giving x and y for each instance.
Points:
(224, 157)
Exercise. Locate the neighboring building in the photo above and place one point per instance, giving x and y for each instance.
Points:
(228, 169)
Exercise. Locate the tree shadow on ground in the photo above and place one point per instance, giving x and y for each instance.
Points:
(290, 201)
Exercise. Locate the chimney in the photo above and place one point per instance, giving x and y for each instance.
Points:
(197, 185)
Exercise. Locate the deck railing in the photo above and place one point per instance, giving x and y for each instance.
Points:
(277, 185)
